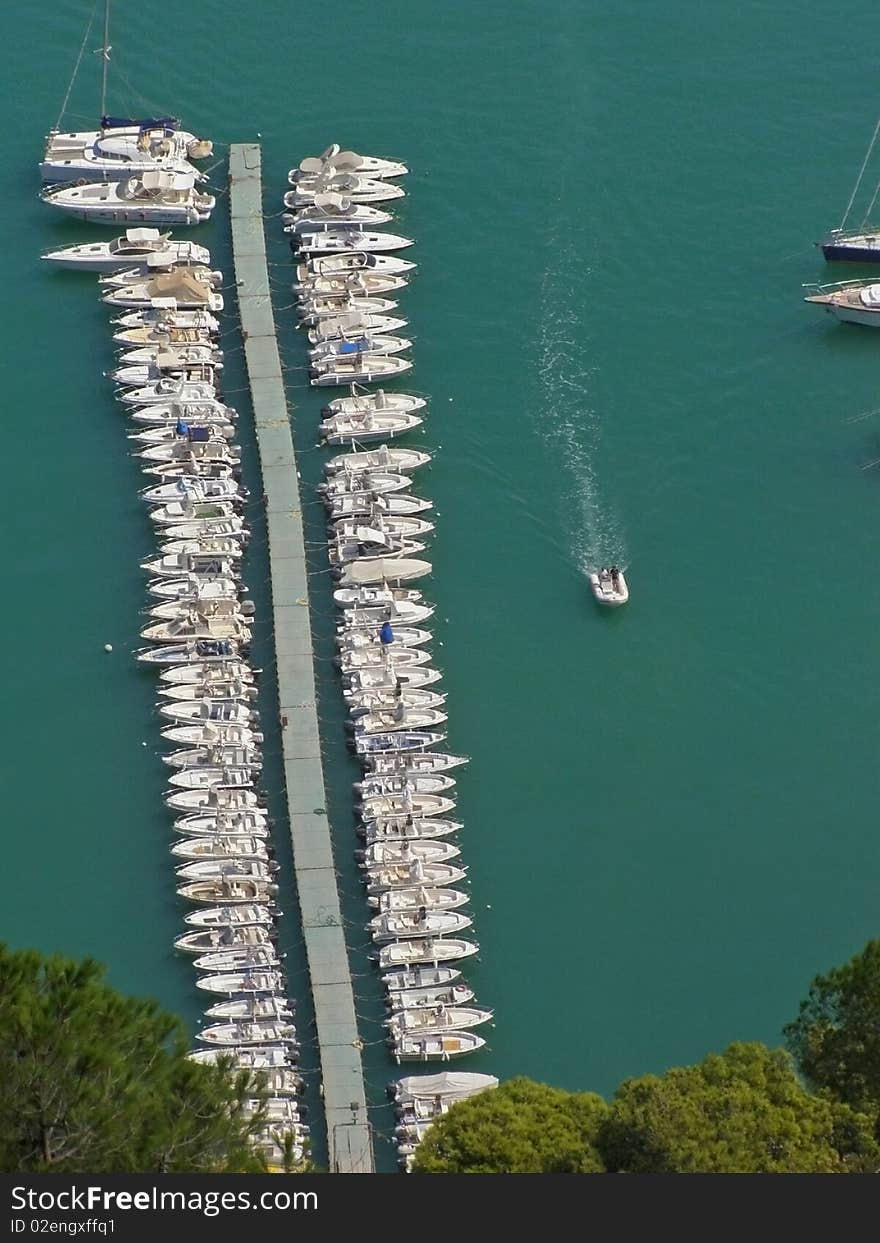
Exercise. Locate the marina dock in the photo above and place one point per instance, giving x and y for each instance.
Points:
(344, 1099)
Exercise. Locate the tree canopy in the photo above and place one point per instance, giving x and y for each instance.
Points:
(742, 1111)
(92, 1080)
(835, 1039)
(520, 1127)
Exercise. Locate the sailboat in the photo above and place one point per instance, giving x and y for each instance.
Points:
(123, 147)
(860, 245)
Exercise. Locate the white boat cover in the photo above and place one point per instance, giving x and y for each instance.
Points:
(871, 296)
(446, 1083)
(143, 235)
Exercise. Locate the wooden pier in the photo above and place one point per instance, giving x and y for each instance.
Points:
(348, 1133)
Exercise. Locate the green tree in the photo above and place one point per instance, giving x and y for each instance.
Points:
(835, 1039)
(521, 1127)
(94, 1081)
(742, 1111)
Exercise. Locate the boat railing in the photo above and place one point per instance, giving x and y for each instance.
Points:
(835, 286)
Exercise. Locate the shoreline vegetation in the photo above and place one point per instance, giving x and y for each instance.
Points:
(93, 1080)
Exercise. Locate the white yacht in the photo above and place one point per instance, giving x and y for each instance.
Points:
(135, 248)
(344, 241)
(157, 197)
(853, 302)
(349, 161)
(359, 367)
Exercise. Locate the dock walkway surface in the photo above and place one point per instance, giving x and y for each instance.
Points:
(348, 1134)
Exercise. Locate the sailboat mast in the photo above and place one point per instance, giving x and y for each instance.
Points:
(105, 59)
(852, 197)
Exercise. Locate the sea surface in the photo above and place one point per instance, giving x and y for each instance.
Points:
(671, 810)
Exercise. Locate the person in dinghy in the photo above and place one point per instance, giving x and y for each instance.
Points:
(609, 586)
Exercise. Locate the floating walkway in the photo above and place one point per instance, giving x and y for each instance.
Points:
(348, 1134)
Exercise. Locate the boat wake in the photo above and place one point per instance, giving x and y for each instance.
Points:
(567, 420)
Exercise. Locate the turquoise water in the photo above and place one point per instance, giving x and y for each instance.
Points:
(670, 810)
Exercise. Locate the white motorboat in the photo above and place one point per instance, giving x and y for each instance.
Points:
(383, 570)
(251, 1008)
(385, 700)
(609, 586)
(317, 310)
(309, 187)
(196, 588)
(135, 247)
(446, 1086)
(145, 275)
(234, 916)
(331, 211)
(348, 161)
(184, 567)
(400, 718)
(425, 950)
(367, 659)
(342, 429)
(229, 846)
(360, 367)
(232, 982)
(171, 357)
(227, 869)
(419, 977)
(397, 925)
(346, 285)
(214, 798)
(439, 1017)
(378, 402)
(203, 468)
(194, 488)
(205, 530)
(232, 688)
(180, 452)
(346, 347)
(159, 335)
(201, 777)
(154, 197)
(246, 957)
(391, 876)
(163, 314)
(187, 290)
(213, 823)
(399, 783)
(346, 326)
(346, 483)
(394, 829)
(373, 508)
(179, 675)
(265, 1031)
(196, 626)
(231, 546)
(225, 936)
(229, 711)
(418, 762)
(394, 461)
(248, 1057)
(172, 414)
(213, 734)
(208, 759)
(853, 302)
(386, 676)
(407, 804)
(355, 638)
(436, 1047)
(347, 241)
(353, 262)
(372, 619)
(353, 598)
(428, 897)
(397, 740)
(228, 890)
(382, 524)
(168, 389)
(203, 651)
(144, 375)
(381, 854)
(189, 511)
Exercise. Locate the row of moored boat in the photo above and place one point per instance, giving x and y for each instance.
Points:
(198, 626)
(347, 288)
